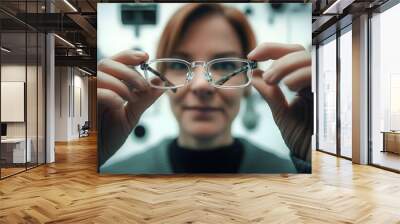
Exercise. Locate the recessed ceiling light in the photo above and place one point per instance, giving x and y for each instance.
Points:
(5, 50)
(64, 40)
(337, 7)
(84, 71)
(70, 5)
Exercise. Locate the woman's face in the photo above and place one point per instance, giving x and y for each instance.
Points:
(203, 111)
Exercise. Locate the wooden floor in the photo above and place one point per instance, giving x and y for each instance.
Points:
(10, 171)
(71, 191)
(387, 159)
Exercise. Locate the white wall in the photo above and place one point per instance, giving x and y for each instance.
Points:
(61, 103)
(80, 83)
(14, 73)
(67, 116)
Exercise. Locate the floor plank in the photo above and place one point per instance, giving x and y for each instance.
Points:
(71, 191)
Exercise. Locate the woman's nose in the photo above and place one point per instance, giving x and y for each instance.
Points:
(199, 83)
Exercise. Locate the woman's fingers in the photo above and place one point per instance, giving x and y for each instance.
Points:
(267, 51)
(146, 99)
(131, 57)
(134, 98)
(285, 65)
(122, 72)
(106, 81)
(299, 79)
(108, 98)
(271, 93)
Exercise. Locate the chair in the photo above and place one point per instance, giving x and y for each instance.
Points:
(84, 130)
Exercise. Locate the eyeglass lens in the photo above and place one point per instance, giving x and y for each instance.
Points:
(223, 73)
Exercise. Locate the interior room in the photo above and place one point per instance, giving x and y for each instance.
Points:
(49, 159)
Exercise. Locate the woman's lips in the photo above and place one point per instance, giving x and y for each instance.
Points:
(202, 108)
(202, 112)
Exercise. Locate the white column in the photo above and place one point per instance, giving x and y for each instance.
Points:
(360, 90)
(50, 98)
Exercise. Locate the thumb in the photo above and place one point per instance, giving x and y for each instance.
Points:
(270, 92)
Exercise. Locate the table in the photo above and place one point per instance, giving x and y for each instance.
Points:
(391, 141)
(13, 150)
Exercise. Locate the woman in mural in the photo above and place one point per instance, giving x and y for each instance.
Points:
(206, 63)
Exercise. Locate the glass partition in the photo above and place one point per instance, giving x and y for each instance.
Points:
(22, 88)
(34, 50)
(327, 96)
(14, 151)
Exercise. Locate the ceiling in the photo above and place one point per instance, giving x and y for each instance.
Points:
(76, 25)
(332, 15)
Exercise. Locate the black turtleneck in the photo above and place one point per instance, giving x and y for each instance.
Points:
(224, 159)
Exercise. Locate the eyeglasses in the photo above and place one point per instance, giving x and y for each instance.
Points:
(226, 73)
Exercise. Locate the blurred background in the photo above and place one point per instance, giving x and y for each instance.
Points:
(122, 26)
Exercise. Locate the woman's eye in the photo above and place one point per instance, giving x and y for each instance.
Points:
(176, 66)
(227, 66)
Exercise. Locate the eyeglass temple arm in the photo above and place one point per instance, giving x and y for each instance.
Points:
(145, 66)
(225, 78)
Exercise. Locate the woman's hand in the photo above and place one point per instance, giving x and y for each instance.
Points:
(295, 119)
(122, 96)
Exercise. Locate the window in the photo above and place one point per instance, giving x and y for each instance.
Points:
(327, 96)
(346, 94)
(385, 89)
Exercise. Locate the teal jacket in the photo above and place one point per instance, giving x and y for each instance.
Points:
(156, 161)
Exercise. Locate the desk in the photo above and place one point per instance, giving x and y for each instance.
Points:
(391, 141)
(13, 150)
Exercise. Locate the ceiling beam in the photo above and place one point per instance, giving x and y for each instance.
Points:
(83, 61)
(337, 7)
(84, 24)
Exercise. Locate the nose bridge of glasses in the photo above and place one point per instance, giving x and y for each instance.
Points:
(195, 64)
(198, 67)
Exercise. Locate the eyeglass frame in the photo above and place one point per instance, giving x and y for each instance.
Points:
(145, 66)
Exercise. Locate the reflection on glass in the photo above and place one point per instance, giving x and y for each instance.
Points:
(327, 97)
(14, 151)
(346, 94)
(31, 100)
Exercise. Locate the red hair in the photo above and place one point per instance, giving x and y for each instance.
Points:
(185, 16)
